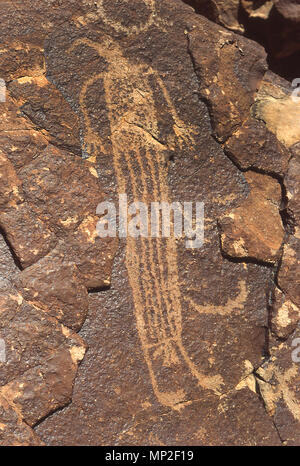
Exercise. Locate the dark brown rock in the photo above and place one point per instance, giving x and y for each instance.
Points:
(29, 236)
(44, 105)
(44, 388)
(292, 184)
(53, 285)
(21, 59)
(61, 190)
(37, 375)
(254, 230)
(29, 334)
(275, 106)
(253, 146)
(285, 40)
(289, 9)
(11, 117)
(274, 24)
(285, 315)
(13, 431)
(92, 255)
(229, 70)
(288, 276)
(22, 146)
(224, 12)
(144, 90)
(279, 386)
(10, 185)
(213, 298)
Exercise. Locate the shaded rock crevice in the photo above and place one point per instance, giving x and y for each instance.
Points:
(212, 310)
(272, 340)
(272, 24)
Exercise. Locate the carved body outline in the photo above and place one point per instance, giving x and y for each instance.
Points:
(112, 54)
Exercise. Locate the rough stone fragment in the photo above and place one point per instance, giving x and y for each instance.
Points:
(13, 431)
(274, 104)
(254, 146)
(53, 285)
(288, 275)
(8, 266)
(92, 255)
(285, 315)
(254, 230)
(21, 147)
(272, 23)
(11, 118)
(176, 341)
(46, 387)
(236, 420)
(258, 9)
(10, 184)
(28, 235)
(289, 9)
(229, 70)
(285, 28)
(275, 23)
(292, 184)
(20, 59)
(61, 189)
(29, 334)
(287, 310)
(224, 12)
(47, 109)
(62, 194)
(279, 386)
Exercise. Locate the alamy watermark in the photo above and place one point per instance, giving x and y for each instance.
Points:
(296, 91)
(2, 90)
(157, 220)
(296, 351)
(2, 350)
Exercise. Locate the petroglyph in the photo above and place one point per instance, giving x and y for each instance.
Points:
(152, 264)
(138, 94)
(153, 18)
(233, 306)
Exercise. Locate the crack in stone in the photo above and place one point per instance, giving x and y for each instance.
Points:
(286, 218)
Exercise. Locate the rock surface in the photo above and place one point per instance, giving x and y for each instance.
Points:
(254, 229)
(224, 12)
(185, 345)
(275, 24)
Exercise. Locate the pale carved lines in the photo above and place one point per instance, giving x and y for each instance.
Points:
(152, 265)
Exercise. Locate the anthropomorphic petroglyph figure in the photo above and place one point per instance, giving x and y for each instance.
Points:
(139, 165)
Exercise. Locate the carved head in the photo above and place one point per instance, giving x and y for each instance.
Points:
(129, 16)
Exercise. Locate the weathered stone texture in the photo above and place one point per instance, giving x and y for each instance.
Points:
(149, 99)
(275, 23)
(255, 229)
